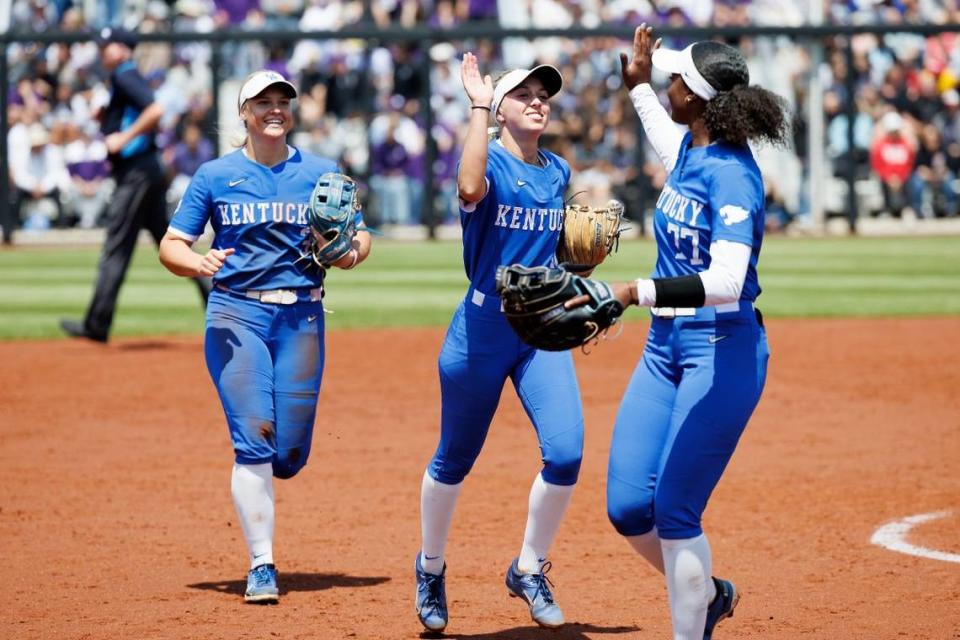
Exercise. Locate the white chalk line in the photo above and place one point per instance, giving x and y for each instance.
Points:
(893, 536)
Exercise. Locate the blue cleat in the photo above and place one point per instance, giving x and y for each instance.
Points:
(262, 585)
(431, 598)
(722, 606)
(534, 588)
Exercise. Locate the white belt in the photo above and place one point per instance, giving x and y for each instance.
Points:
(678, 312)
(282, 296)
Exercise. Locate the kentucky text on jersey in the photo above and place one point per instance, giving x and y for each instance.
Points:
(261, 212)
(235, 213)
(527, 219)
(518, 221)
(677, 206)
(714, 192)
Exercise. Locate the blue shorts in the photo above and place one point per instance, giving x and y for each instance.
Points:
(686, 405)
(479, 353)
(266, 361)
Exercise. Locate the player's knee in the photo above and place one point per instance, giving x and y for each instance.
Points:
(677, 515)
(449, 471)
(562, 467)
(677, 523)
(289, 464)
(629, 513)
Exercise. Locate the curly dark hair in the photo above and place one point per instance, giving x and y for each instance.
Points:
(746, 113)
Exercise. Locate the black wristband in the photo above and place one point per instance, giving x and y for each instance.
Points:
(683, 291)
(479, 106)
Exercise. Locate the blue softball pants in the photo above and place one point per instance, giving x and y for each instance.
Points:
(479, 353)
(266, 361)
(680, 419)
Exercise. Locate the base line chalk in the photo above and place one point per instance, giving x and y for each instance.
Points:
(893, 535)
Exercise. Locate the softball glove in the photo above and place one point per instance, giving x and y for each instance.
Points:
(332, 218)
(533, 302)
(589, 234)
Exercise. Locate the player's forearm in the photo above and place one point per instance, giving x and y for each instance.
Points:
(178, 256)
(663, 133)
(361, 244)
(471, 183)
(721, 283)
(147, 121)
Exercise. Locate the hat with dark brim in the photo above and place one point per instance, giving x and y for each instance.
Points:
(545, 73)
(707, 67)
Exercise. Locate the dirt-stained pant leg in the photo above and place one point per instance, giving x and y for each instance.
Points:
(298, 354)
(239, 361)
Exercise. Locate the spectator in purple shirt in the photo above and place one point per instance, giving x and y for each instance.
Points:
(184, 158)
(477, 9)
(445, 171)
(388, 180)
(90, 187)
(234, 12)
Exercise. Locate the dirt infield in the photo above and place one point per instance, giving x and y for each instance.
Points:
(117, 522)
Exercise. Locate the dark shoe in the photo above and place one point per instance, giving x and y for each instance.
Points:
(722, 606)
(76, 329)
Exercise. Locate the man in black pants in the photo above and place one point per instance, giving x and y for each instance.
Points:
(128, 123)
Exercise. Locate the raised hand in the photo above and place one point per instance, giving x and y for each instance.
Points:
(479, 89)
(638, 70)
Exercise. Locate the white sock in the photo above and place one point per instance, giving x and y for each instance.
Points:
(648, 545)
(252, 488)
(688, 568)
(437, 501)
(547, 504)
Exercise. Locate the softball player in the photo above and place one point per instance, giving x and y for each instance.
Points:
(705, 361)
(511, 209)
(264, 327)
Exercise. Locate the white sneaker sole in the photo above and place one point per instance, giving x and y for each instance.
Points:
(545, 625)
(263, 598)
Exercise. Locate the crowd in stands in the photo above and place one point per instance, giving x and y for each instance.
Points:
(363, 104)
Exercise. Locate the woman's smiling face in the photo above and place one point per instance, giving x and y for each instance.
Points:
(268, 114)
(526, 107)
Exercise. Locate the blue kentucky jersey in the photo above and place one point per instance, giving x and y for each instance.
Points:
(519, 219)
(714, 192)
(261, 212)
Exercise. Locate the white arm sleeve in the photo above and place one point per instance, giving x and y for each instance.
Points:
(664, 134)
(723, 281)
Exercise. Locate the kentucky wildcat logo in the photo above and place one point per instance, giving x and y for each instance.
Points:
(528, 219)
(732, 214)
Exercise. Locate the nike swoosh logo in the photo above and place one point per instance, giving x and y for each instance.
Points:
(426, 557)
(716, 339)
(520, 182)
(234, 183)
(311, 318)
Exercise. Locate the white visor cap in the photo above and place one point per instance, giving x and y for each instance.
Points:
(548, 75)
(259, 81)
(681, 62)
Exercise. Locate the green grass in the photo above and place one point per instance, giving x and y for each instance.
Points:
(416, 284)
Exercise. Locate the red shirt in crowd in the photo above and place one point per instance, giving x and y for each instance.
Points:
(891, 157)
